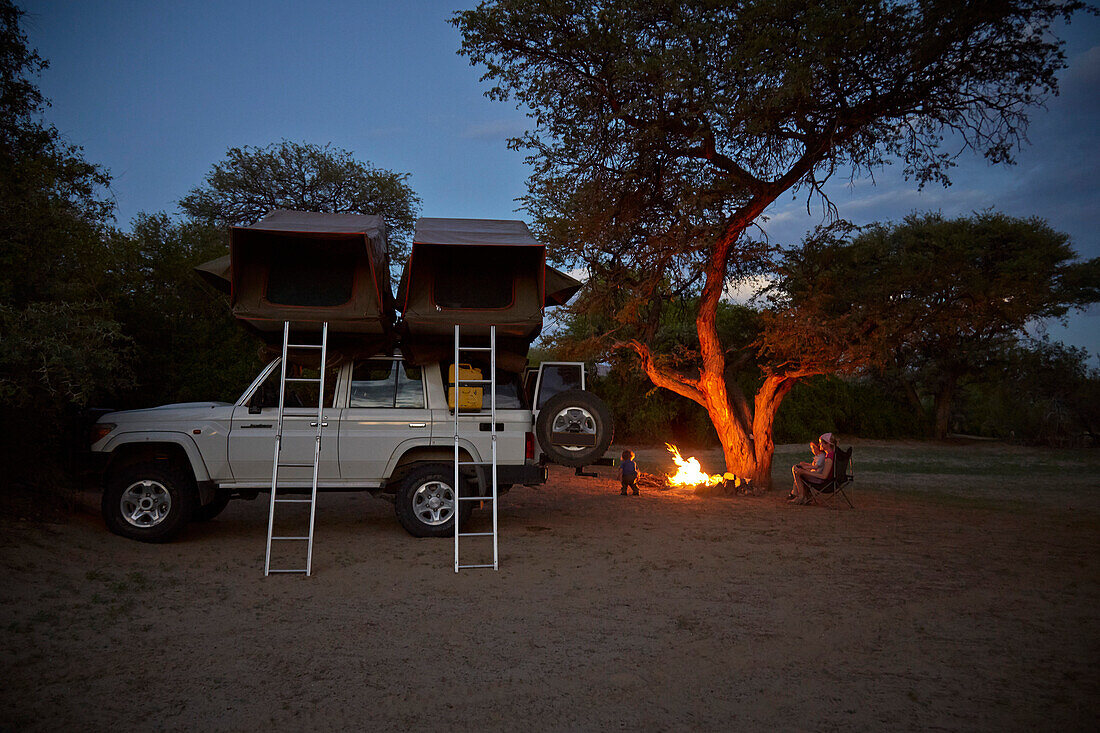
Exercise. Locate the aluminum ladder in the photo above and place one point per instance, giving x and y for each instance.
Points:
(318, 422)
(491, 382)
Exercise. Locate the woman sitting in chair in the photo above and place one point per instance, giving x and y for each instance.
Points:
(815, 472)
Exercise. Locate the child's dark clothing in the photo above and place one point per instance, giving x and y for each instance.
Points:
(630, 476)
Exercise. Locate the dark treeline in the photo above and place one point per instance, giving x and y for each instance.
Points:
(1026, 390)
(89, 315)
(1047, 395)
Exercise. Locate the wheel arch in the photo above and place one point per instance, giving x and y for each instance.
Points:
(418, 455)
(174, 447)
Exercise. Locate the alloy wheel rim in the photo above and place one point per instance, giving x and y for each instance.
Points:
(434, 503)
(145, 503)
(574, 420)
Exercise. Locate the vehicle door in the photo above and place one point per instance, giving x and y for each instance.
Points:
(255, 417)
(555, 378)
(530, 380)
(386, 413)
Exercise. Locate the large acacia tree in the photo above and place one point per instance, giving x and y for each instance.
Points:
(664, 129)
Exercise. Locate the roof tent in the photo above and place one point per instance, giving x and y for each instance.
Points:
(216, 273)
(476, 273)
(308, 268)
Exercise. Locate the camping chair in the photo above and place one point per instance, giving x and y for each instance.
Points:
(826, 493)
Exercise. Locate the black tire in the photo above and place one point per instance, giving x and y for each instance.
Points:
(574, 428)
(206, 512)
(148, 502)
(414, 498)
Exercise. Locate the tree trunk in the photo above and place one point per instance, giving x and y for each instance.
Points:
(736, 442)
(745, 434)
(768, 398)
(732, 421)
(945, 399)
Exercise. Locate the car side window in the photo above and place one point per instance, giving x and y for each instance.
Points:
(386, 383)
(557, 378)
(372, 383)
(298, 394)
(410, 386)
(509, 388)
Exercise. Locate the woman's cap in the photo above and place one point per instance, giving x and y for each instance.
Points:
(827, 437)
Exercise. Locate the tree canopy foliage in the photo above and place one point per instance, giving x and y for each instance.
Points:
(663, 130)
(933, 299)
(90, 316)
(58, 342)
(186, 343)
(1042, 392)
(251, 181)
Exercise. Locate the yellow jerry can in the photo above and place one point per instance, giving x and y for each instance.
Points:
(469, 398)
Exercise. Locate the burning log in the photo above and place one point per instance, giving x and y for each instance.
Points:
(650, 481)
(733, 486)
(690, 474)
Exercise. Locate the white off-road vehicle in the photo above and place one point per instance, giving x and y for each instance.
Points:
(387, 420)
(390, 431)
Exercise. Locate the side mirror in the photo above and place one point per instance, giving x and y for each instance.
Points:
(254, 406)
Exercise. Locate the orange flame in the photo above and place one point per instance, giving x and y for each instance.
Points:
(689, 472)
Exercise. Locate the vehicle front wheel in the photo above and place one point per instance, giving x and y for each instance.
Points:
(148, 502)
(425, 502)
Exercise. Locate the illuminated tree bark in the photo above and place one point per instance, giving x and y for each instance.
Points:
(745, 431)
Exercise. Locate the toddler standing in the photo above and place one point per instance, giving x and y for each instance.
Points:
(628, 472)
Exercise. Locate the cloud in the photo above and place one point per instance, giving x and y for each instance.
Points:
(743, 291)
(890, 198)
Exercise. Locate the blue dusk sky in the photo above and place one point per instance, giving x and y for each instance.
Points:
(156, 92)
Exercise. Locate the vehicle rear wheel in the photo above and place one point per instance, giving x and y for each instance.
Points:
(574, 428)
(148, 502)
(425, 502)
(206, 512)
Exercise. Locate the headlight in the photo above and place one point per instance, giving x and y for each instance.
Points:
(101, 430)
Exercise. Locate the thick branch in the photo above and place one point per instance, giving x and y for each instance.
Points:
(740, 405)
(669, 380)
(708, 151)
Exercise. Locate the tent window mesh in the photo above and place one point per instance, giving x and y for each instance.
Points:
(308, 276)
(472, 280)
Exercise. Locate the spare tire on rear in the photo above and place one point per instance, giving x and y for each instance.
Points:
(574, 428)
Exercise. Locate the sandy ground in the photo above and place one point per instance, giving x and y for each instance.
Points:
(934, 604)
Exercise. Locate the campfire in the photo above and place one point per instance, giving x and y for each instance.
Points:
(688, 471)
(690, 475)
